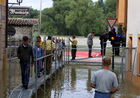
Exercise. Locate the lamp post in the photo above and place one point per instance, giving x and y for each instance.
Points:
(40, 15)
(7, 9)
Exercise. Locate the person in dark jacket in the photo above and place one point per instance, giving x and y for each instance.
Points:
(90, 43)
(117, 43)
(123, 41)
(103, 39)
(112, 33)
(24, 52)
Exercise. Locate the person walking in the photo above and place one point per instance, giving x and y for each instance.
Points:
(41, 42)
(63, 44)
(57, 50)
(103, 39)
(53, 40)
(103, 80)
(74, 47)
(39, 53)
(49, 47)
(60, 48)
(42, 45)
(90, 42)
(24, 52)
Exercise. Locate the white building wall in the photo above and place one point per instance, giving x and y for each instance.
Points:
(133, 25)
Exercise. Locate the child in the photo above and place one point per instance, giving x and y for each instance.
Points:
(39, 53)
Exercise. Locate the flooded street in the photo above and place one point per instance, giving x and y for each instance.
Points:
(74, 82)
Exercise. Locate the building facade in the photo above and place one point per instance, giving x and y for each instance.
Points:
(2, 33)
(128, 14)
(23, 27)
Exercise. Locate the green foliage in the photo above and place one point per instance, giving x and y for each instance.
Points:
(110, 7)
(76, 17)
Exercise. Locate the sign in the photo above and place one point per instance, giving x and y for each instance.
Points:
(11, 31)
(2, 2)
(111, 22)
(19, 11)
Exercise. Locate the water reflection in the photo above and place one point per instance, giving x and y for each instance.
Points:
(73, 77)
(89, 80)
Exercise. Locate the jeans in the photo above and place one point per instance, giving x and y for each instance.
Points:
(38, 67)
(117, 49)
(25, 72)
(102, 95)
(103, 49)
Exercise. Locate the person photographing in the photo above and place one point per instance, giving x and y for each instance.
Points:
(74, 47)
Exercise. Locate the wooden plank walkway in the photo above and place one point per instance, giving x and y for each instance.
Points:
(19, 92)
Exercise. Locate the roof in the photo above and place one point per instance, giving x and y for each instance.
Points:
(22, 21)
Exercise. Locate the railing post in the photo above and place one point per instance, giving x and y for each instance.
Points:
(51, 60)
(102, 49)
(44, 64)
(113, 48)
(36, 74)
(121, 68)
(32, 67)
(133, 66)
(14, 62)
(68, 51)
(9, 64)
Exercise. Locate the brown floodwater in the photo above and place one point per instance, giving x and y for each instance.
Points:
(74, 82)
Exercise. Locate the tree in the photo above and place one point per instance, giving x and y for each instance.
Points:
(77, 17)
(110, 7)
(85, 16)
(56, 18)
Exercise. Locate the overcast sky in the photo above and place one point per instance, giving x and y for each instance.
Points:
(36, 3)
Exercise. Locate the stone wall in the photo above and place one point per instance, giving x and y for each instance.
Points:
(2, 32)
(22, 31)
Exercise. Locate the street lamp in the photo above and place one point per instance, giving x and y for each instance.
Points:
(19, 1)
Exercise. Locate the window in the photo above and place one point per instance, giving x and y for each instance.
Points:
(130, 53)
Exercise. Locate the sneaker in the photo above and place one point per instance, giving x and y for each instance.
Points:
(26, 87)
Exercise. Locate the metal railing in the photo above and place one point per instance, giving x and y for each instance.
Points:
(127, 57)
(66, 60)
(15, 60)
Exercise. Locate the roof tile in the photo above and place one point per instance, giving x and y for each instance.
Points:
(22, 21)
